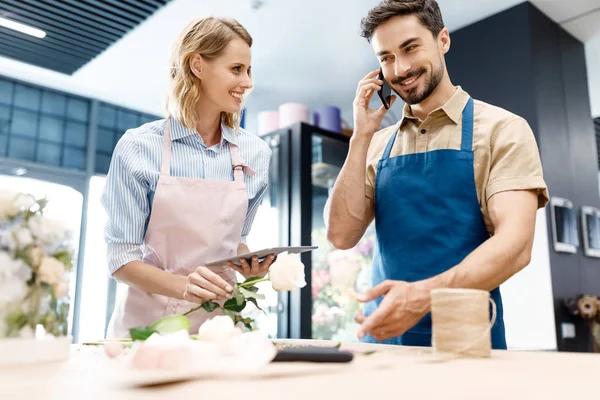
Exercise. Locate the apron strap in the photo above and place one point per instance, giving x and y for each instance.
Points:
(390, 144)
(467, 127)
(238, 165)
(165, 167)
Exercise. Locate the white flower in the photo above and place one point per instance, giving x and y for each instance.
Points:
(24, 201)
(14, 275)
(26, 332)
(23, 237)
(246, 352)
(7, 242)
(218, 328)
(51, 271)
(10, 267)
(167, 351)
(287, 273)
(113, 348)
(47, 230)
(61, 289)
(7, 204)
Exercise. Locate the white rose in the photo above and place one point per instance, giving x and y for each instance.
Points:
(246, 352)
(14, 275)
(217, 328)
(23, 237)
(168, 351)
(48, 230)
(7, 241)
(287, 273)
(51, 271)
(9, 268)
(61, 289)
(7, 207)
(24, 201)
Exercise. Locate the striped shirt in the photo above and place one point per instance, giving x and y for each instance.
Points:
(135, 168)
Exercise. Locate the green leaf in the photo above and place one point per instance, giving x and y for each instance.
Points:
(250, 294)
(246, 321)
(42, 203)
(210, 306)
(16, 320)
(232, 305)
(253, 300)
(231, 315)
(24, 255)
(141, 333)
(171, 323)
(65, 257)
(238, 296)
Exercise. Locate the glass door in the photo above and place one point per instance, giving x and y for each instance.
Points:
(337, 275)
(265, 233)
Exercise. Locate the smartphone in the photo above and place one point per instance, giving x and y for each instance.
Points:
(385, 94)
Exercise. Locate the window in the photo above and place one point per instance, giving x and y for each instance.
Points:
(42, 125)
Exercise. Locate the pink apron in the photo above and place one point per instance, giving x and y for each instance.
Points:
(193, 222)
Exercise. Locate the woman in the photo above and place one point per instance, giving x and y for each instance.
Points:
(183, 192)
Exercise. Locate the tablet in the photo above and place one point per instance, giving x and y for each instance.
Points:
(262, 254)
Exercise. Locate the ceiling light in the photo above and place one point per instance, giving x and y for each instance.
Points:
(22, 28)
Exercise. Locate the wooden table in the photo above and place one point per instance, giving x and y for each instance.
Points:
(391, 372)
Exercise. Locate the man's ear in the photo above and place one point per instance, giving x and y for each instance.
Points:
(197, 65)
(444, 40)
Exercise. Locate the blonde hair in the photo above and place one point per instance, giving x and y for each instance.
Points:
(207, 36)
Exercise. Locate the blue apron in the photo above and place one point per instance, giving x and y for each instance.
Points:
(427, 220)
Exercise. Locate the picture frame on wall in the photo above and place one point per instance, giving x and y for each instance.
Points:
(590, 223)
(565, 232)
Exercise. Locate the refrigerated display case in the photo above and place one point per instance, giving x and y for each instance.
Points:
(306, 162)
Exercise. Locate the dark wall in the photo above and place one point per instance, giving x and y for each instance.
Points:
(524, 62)
(493, 63)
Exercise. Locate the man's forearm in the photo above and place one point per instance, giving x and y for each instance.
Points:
(348, 203)
(488, 266)
(150, 279)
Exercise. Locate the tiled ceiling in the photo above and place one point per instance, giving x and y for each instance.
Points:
(76, 30)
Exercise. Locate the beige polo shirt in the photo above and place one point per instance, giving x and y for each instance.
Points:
(506, 155)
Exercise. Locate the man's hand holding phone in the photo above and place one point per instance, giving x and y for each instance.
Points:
(367, 120)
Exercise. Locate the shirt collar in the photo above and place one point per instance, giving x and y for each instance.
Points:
(179, 131)
(453, 108)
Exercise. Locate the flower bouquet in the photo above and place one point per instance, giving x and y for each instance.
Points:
(35, 259)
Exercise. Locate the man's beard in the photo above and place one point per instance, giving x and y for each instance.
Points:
(413, 96)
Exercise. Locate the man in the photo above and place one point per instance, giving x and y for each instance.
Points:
(453, 187)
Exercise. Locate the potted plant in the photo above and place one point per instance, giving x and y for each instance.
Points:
(588, 308)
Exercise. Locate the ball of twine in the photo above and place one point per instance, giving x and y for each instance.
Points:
(461, 326)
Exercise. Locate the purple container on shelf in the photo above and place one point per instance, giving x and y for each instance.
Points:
(329, 118)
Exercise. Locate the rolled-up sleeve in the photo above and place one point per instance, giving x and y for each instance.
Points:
(254, 203)
(125, 199)
(515, 162)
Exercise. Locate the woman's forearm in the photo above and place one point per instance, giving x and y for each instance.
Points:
(150, 279)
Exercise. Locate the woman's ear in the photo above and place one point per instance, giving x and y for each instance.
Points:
(197, 65)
